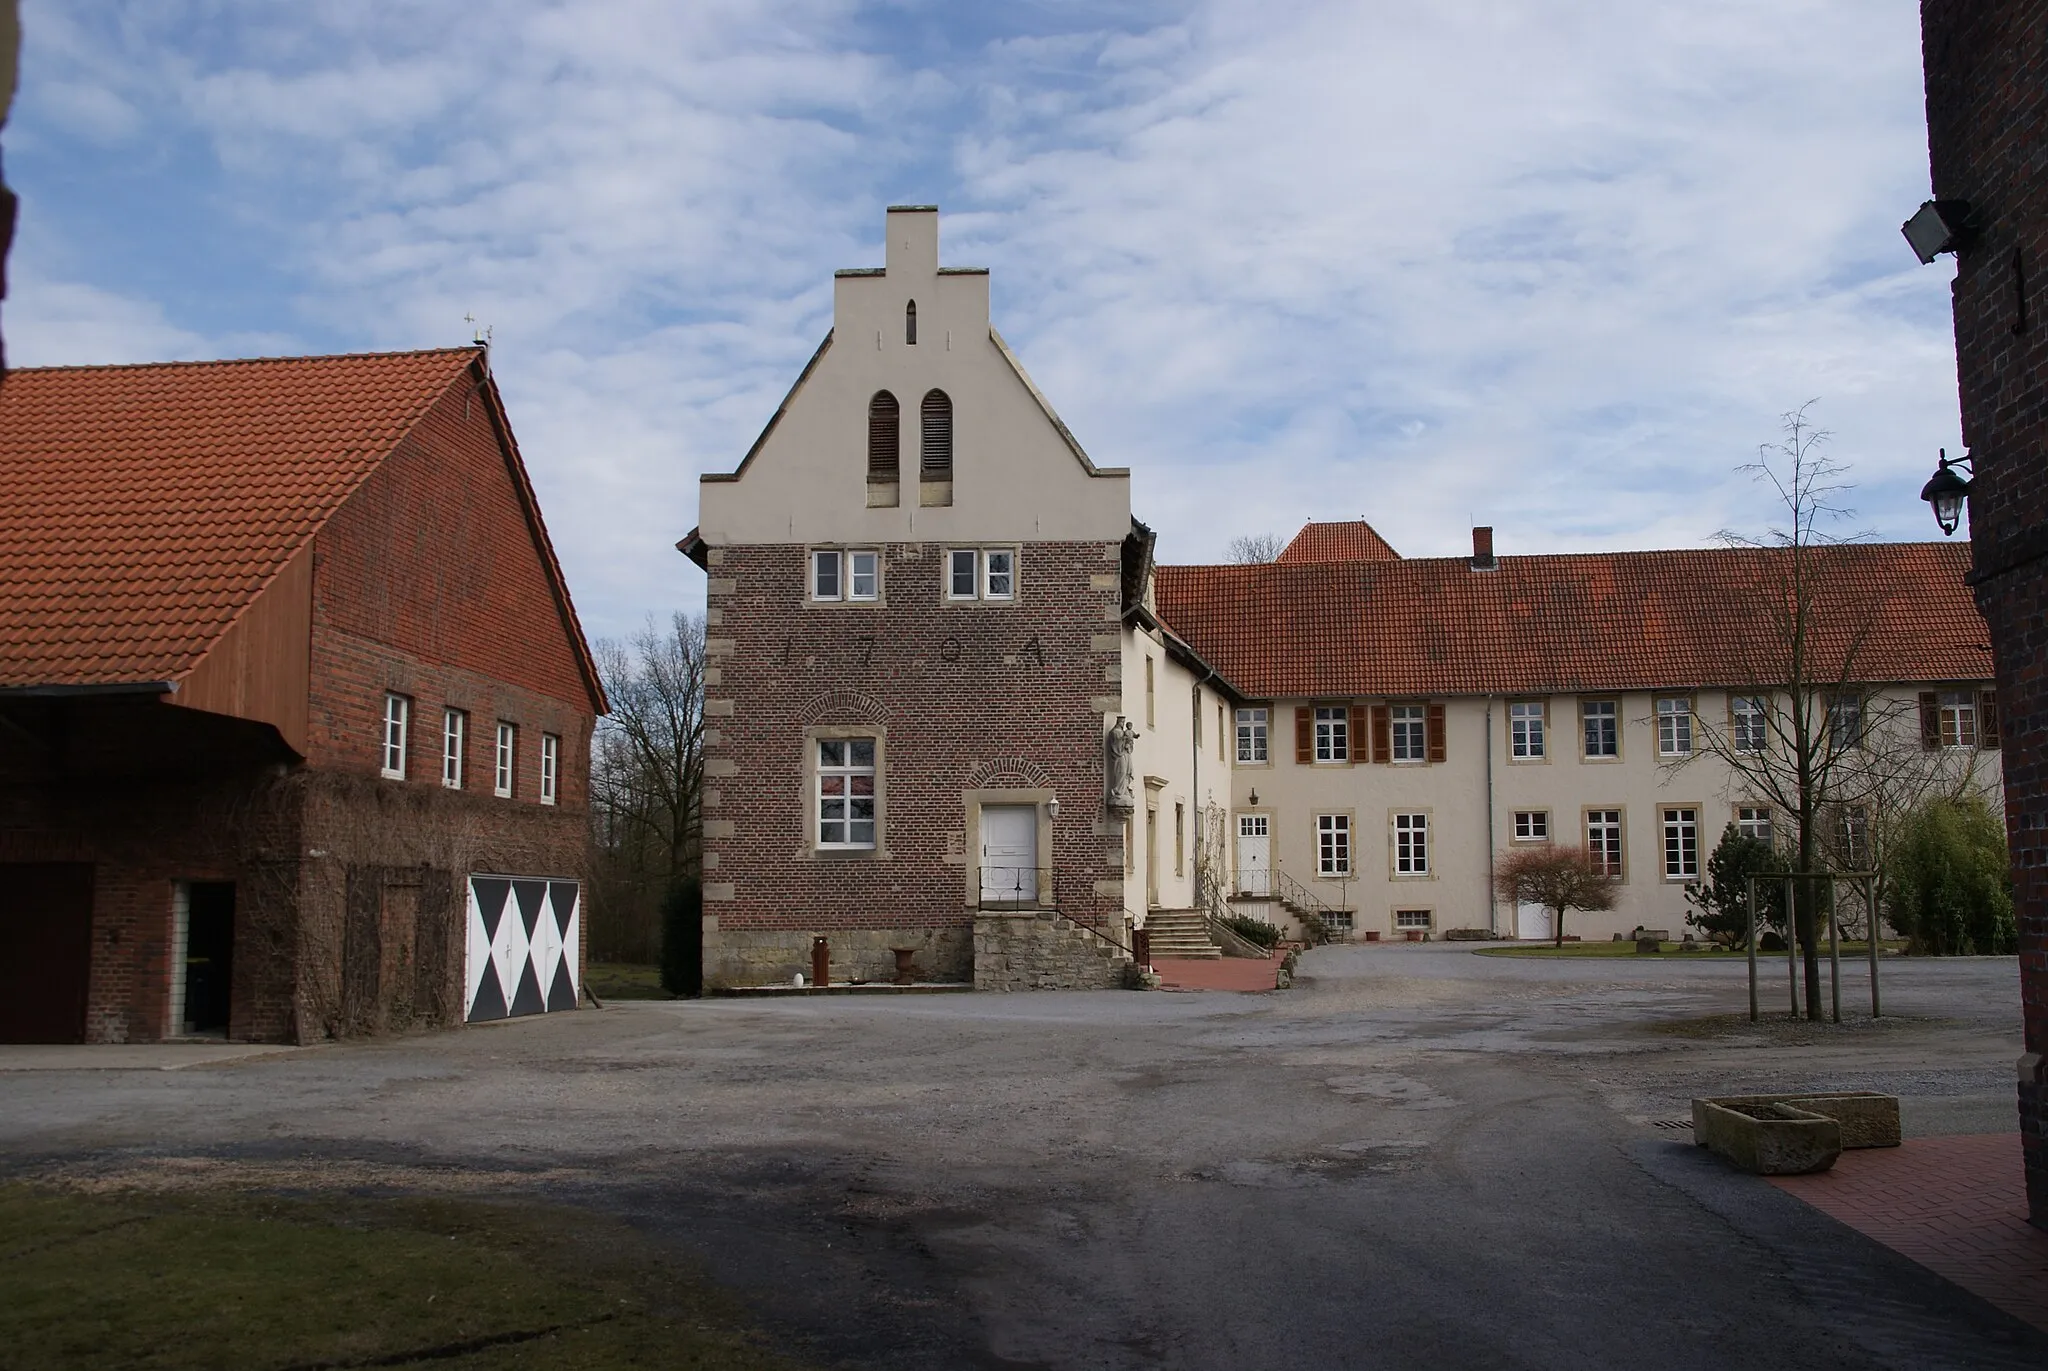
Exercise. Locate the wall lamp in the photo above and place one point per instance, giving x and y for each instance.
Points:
(1946, 491)
(1052, 808)
(1938, 226)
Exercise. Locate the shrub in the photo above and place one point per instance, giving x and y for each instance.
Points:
(1946, 883)
(1253, 930)
(1722, 900)
(682, 938)
(1559, 878)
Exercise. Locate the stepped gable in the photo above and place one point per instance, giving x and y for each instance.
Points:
(1598, 621)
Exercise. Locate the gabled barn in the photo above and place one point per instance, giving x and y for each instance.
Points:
(295, 711)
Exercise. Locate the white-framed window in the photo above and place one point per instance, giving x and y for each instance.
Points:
(1411, 918)
(550, 766)
(1180, 838)
(397, 721)
(454, 747)
(998, 574)
(1221, 733)
(1754, 821)
(1411, 844)
(846, 792)
(1532, 825)
(1151, 699)
(1749, 723)
(1525, 730)
(1681, 843)
(1602, 727)
(507, 768)
(1410, 736)
(1339, 921)
(1333, 733)
(1603, 839)
(974, 573)
(863, 574)
(1958, 718)
(1333, 844)
(1674, 726)
(1251, 736)
(963, 573)
(1845, 720)
(826, 581)
(1853, 832)
(846, 574)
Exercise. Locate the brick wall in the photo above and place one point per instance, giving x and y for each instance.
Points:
(1987, 118)
(968, 698)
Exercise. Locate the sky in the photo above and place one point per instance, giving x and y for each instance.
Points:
(1555, 268)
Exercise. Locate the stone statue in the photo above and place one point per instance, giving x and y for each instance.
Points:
(1121, 742)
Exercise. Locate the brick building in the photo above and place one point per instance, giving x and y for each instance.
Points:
(295, 712)
(1987, 134)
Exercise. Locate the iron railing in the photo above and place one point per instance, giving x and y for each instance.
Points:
(1036, 888)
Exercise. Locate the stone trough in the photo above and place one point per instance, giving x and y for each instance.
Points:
(1791, 1135)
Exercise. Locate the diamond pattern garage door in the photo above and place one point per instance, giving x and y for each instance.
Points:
(521, 956)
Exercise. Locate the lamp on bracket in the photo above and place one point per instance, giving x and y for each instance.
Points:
(1947, 491)
(1939, 226)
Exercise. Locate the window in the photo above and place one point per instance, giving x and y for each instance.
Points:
(1603, 736)
(1333, 729)
(935, 457)
(1749, 725)
(846, 792)
(1674, 726)
(1000, 582)
(1754, 821)
(825, 575)
(1338, 921)
(1151, 715)
(885, 436)
(1603, 839)
(1411, 844)
(1180, 839)
(961, 574)
(864, 575)
(1681, 844)
(910, 323)
(1333, 844)
(550, 766)
(1251, 735)
(1958, 718)
(854, 574)
(1221, 733)
(1853, 833)
(508, 751)
(454, 737)
(397, 714)
(981, 573)
(1525, 730)
(1532, 825)
(1411, 918)
(1845, 720)
(1410, 741)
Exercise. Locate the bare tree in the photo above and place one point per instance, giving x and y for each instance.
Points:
(1559, 878)
(1249, 549)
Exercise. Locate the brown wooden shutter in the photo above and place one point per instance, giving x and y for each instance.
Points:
(1930, 720)
(885, 436)
(1304, 734)
(1433, 732)
(1357, 739)
(1382, 734)
(1987, 717)
(936, 453)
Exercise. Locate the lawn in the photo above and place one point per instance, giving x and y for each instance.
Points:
(624, 981)
(169, 1282)
(1628, 949)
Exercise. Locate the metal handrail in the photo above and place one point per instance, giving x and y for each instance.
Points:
(1020, 887)
(1295, 893)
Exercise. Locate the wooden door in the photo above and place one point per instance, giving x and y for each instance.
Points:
(46, 919)
(1254, 855)
(1009, 854)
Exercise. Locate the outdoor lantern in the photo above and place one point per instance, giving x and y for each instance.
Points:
(1946, 491)
(1938, 226)
(1052, 807)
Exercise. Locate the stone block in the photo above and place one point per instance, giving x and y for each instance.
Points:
(1867, 1118)
(1767, 1139)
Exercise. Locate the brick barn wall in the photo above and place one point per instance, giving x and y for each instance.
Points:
(969, 697)
(1987, 116)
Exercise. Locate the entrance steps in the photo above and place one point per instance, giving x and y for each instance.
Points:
(1180, 933)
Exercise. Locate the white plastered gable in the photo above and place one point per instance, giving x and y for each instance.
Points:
(1018, 474)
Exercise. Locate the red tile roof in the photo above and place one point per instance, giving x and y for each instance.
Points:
(146, 506)
(1351, 541)
(1604, 621)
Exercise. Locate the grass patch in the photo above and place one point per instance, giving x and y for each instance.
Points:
(170, 1282)
(1705, 954)
(625, 981)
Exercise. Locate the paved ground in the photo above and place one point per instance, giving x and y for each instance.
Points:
(1217, 973)
(1416, 1158)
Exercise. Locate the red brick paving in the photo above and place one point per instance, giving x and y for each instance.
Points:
(1221, 973)
(1956, 1205)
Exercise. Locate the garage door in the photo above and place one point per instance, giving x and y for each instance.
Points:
(46, 925)
(521, 952)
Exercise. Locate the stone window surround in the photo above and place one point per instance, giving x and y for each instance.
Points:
(971, 804)
(1428, 830)
(807, 794)
(980, 595)
(845, 598)
(1515, 823)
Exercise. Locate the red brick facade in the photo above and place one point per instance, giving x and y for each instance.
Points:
(1987, 118)
(951, 689)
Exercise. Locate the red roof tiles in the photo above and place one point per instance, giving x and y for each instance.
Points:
(1604, 621)
(146, 506)
(1351, 541)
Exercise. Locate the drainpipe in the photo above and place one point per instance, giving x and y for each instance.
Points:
(1492, 909)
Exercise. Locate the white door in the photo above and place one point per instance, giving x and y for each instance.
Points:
(1533, 921)
(1009, 854)
(1254, 855)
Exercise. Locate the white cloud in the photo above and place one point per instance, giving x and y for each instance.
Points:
(58, 323)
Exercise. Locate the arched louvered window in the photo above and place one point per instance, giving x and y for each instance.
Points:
(937, 459)
(885, 436)
(910, 322)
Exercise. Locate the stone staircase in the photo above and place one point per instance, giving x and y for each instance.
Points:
(1042, 950)
(1180, 933)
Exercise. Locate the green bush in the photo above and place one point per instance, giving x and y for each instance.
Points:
(1253, 930)
(682, 938)
(1722, 900)
(1946, 884)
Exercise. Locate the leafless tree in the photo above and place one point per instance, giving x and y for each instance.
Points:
(1249, 549)
(1559, 878)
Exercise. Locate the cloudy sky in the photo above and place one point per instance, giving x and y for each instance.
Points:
(1558, 268)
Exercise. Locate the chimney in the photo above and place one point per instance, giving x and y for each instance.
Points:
(1482, 549)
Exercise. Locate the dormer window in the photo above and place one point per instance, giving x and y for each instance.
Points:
(910, 323)
(936, 454)
(885, 436)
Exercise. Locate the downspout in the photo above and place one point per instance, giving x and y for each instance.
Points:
(1492, 908)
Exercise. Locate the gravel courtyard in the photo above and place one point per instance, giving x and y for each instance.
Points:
(1418, 1157)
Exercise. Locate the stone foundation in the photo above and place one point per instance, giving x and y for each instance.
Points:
(1039, 950)
(765, 956)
